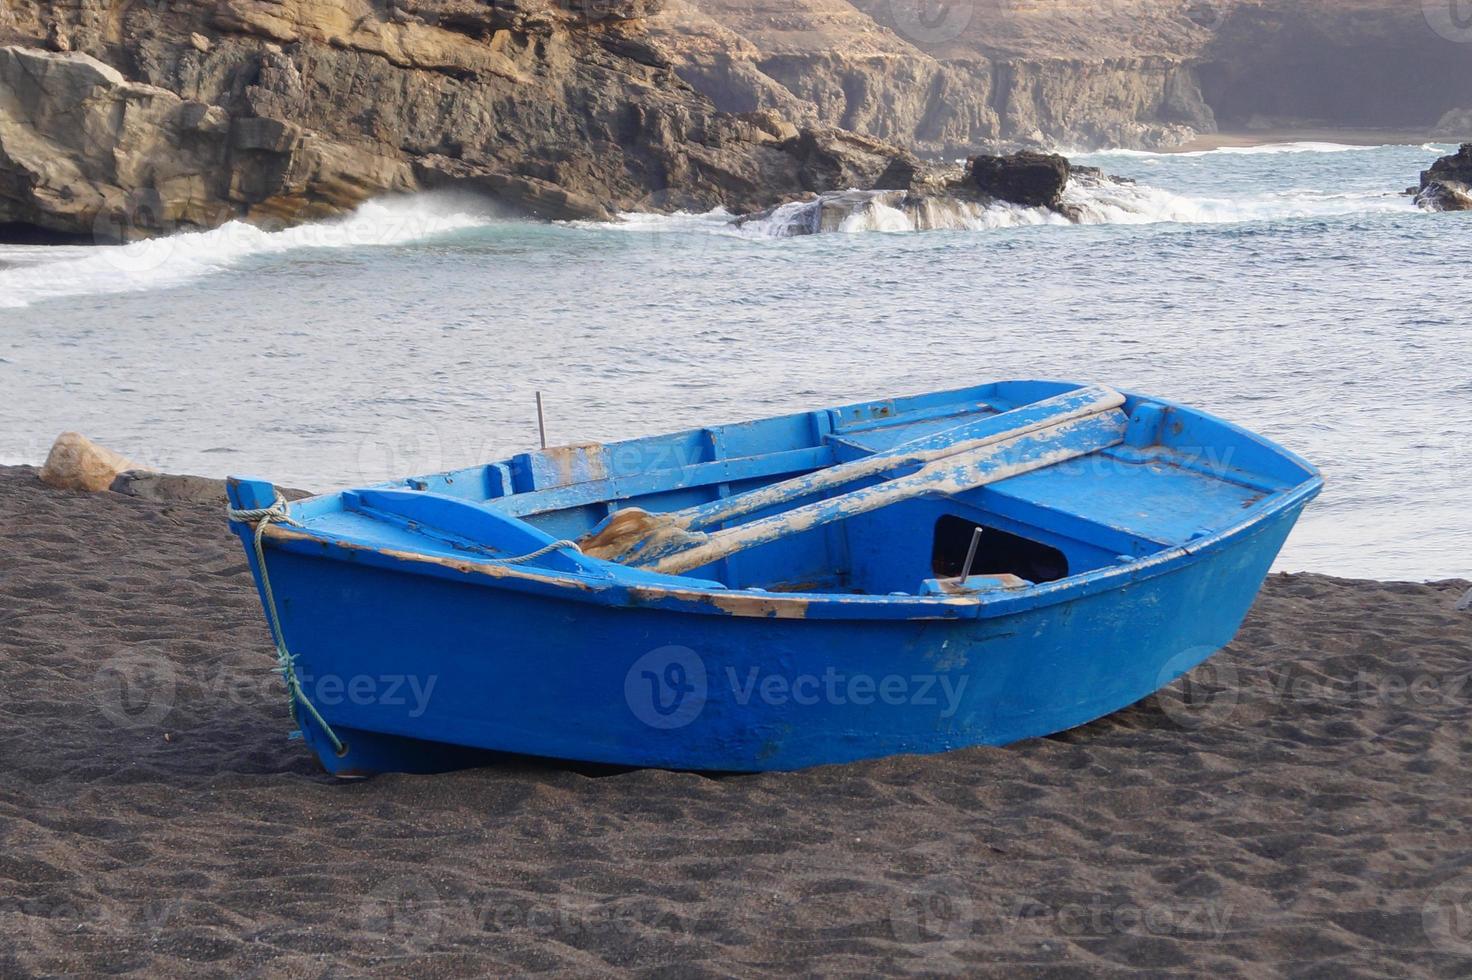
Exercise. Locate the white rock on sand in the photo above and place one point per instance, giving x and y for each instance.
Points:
(77, 463)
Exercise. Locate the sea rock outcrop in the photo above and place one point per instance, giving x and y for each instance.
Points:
(1031, 179)
(77, 463)
(175, 116)
(941, 199)
(1447, 185)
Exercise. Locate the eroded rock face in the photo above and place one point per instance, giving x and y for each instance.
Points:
(289, 110)
(944, 78)
(947, 78)
(84, 151)
(77, 463)
(1447, 185)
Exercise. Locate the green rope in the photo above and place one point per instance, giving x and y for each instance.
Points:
(285, 661)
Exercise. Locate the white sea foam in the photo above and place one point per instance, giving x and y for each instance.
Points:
(1104, 203)
(1138, 204)
(30, 274)
(42, 274)
(1302, 146)
(881, 211)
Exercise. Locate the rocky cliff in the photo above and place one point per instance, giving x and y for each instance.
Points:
(121, 119)
(141, 118)
(943, 76)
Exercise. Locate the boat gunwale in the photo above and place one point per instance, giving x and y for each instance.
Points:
(750, 603)
(792, 605)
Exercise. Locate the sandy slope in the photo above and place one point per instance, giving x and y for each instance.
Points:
(1312, 818)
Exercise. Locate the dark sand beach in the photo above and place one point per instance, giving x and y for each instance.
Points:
(1306, 812)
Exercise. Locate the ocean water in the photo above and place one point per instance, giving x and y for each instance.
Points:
(1289, 288)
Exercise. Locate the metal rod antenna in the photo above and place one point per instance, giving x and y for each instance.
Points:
(971, 555)
(541, 421)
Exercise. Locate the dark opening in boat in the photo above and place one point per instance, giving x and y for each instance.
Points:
(998, 552)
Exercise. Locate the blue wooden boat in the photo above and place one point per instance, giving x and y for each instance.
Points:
(911, 574)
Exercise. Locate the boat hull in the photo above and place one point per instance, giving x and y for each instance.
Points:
(417, 671)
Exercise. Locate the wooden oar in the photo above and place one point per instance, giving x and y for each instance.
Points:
(635, 534)
(948, 475)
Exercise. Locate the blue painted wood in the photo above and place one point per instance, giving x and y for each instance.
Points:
(950, 438)
(420, 649)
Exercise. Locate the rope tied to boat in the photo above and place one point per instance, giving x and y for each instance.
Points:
(261, 518)
(539, 553)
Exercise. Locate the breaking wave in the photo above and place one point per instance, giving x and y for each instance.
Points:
(30, 275)
(35, 275)
(1138, 204)
(1261, 149)
(1105, 203)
